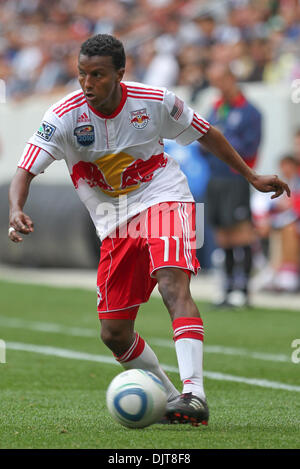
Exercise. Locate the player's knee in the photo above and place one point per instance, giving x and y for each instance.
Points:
(114, 336)
(172, 290)
(110, 337)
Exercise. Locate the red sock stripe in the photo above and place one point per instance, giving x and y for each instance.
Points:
(134, 350)
(188, 328)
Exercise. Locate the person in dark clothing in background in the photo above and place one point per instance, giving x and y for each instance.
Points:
(228, 194)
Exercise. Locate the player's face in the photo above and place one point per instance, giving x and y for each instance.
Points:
(100, 81)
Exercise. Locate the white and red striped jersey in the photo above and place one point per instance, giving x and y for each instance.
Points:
(117, 157)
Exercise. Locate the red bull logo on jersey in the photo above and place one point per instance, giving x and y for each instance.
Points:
(118, 173)
(89, 172)
(139, 119)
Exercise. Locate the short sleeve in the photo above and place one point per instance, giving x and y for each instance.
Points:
(45, 146)
(180, 122)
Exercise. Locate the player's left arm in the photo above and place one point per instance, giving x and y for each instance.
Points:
(215, 142)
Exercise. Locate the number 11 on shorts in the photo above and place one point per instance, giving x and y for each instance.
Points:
(166, 240)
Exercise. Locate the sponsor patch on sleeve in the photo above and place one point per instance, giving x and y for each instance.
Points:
(46, 131)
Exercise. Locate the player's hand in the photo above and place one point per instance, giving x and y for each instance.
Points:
(19, 222)
(270, 184)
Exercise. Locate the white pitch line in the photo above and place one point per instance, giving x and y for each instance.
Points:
(60, 352)
(75, 355)
(264, 383)
(220, 349)
(86, 332)
(47, 327)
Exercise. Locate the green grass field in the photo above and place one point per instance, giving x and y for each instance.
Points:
(52, 386)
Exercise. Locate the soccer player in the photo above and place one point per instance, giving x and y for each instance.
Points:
(110, 134)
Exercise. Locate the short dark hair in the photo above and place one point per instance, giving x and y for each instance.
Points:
(105, 45)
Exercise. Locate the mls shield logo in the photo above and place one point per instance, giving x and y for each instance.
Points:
(139, 119)
(46, 131)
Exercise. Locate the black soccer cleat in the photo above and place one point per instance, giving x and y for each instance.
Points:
(187, 408)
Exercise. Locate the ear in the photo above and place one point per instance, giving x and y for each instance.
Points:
(120, 74)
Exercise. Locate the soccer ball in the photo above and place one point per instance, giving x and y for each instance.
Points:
(136, 398)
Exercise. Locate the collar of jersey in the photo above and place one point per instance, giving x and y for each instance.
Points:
(117, 110)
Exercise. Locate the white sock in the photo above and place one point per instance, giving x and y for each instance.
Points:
(147, 360)
(190, 361)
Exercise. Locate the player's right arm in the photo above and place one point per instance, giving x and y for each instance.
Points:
(44, 147)
(18, 193)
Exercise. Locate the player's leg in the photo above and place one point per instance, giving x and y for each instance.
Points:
(173, 259)
(132, 351)
(117, 334)
(121, 283)
(173, 285)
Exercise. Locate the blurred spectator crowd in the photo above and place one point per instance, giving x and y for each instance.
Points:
(278, 222)
(168, 42)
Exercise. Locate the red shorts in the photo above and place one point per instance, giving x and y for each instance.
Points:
(164, 235)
